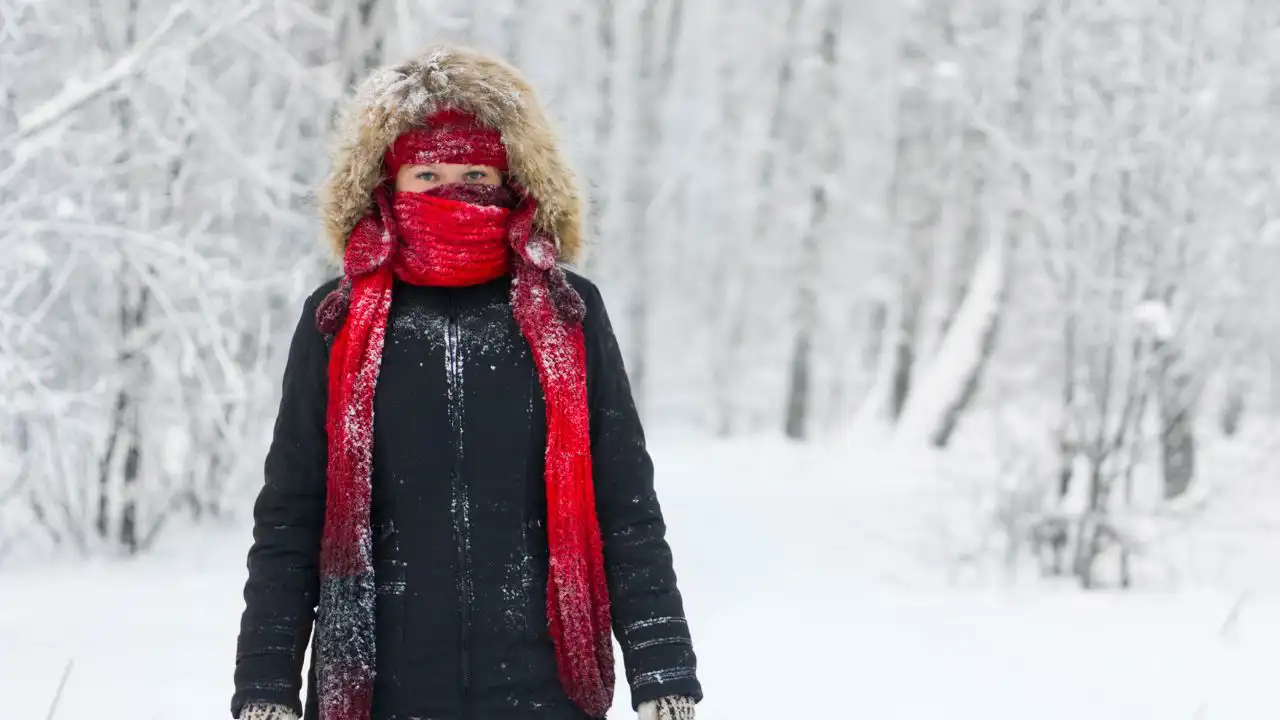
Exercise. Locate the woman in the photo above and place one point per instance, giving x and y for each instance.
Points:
(466, 554)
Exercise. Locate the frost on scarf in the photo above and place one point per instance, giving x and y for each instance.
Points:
(577, 593)
(344, 624)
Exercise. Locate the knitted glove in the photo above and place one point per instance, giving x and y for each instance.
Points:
(667, 708)
(263, 711)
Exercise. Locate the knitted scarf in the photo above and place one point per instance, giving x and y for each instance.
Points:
(456, 236)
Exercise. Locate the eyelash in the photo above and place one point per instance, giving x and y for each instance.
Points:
(471, 175)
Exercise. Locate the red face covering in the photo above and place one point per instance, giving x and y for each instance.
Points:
(453, 235)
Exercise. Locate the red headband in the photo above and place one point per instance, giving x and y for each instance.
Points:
(450, 136)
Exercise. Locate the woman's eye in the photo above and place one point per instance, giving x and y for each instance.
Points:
(476, 175)
(426, 176)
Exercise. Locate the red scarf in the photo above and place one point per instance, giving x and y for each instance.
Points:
(457, 236)
(450, 243)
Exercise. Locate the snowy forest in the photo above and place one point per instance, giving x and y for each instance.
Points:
(988, 284)
(1042, 228)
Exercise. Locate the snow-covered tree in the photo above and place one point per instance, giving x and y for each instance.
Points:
(805, 215)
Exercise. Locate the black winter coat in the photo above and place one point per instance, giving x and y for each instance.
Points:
(460, 547)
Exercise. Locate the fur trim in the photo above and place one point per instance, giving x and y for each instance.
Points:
(259, 711)
(395, 98)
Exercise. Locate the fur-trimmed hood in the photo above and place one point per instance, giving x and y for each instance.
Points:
(397, 97)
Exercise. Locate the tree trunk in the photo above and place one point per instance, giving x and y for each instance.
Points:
(1068, 441)
(935, 406)
(657, 55)
(904, 349)
(739, 305)
(799, 382)
(826, 147)
(1177, 416)
(1231, 414)
(598, 210)
(904, 203)
(120, 467)
(638, 240)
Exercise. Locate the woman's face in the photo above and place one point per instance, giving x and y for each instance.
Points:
(420, 178)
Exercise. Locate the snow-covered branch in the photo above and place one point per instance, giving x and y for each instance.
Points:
(78, 92)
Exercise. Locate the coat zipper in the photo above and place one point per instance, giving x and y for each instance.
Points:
(461, 501)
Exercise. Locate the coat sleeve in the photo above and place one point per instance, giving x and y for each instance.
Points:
(283, 587)
(648, 612)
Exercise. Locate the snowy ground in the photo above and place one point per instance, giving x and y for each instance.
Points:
(819, 584)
